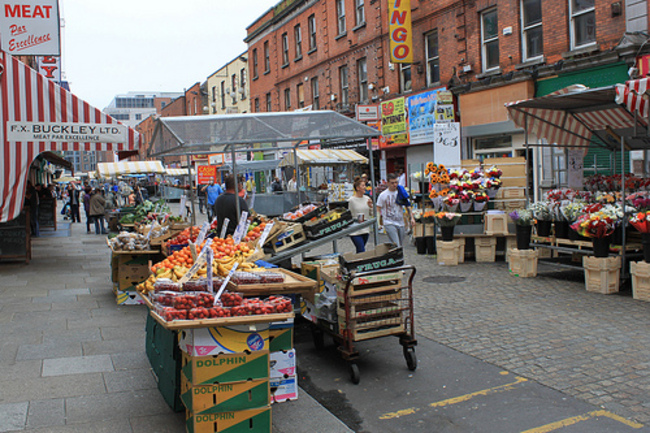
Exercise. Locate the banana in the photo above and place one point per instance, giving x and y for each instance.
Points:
(166, 274)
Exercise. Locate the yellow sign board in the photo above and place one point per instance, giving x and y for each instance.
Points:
(400, 31)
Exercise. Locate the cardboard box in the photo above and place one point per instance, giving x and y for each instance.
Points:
(205, 370)
(124, 297)
(384, 256)
(327, 276)
(132, 269)
(282, 364)
(225, 397)
(285, 389)
(280, 339)
(225, 339)
(308, 310)
(249, 421)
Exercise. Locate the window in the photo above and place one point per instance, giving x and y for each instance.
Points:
(301, 95)
(433, 61)
(254, 62)
(362, 71)
(268, 102)
(257, 105)
(233, 88)
(343, 77)
(311, 21)
(315, 95)
(223, 94)
(531, 28)
(242, 83)
(297, 35)
(138, 116)
(118, 116)
(490, 39)
(267, 57)
(360, 12)
(214, 93)
(405, 82)
(287, 99)
(340, 13)
(285, 49)
(583, 23)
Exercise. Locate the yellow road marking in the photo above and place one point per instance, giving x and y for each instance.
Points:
(576, 419)
(454, 400)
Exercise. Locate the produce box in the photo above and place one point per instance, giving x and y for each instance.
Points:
(292, 235)
(225, 397)
(127, 297)
(225, 339)
(384, 256)
(249, 421)
(326, 275)
(282, 364)
(281, 335)
(329, 223)
(317, 212)
(284, 389)
(225, 368)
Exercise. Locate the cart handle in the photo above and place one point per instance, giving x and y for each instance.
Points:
(412, 268)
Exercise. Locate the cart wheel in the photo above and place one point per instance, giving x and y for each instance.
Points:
(319, 337)
(411, 359)
(355, 376)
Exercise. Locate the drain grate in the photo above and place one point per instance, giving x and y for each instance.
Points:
(443, 279)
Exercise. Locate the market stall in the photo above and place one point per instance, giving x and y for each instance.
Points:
(175, 182)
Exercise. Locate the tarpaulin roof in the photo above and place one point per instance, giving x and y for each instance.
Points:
(36, 115)
(253, 166)
(178, 171)
(633, 95)
(324, 157)
(576, 116)
(217, 133)
(110, 169)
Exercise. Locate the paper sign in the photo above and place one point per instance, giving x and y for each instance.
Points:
(447, 144)
(182, 205)
(200, 260)
(204, 230)
(224, 228)
(575, 172)
(209, 259)
(239, 231)
(265, 234)
(225, 283)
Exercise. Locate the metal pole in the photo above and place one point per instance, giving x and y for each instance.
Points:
(623, 223)
(526, 161)
(296, 168)
(375, 233)
(191, 193)
(234, 175)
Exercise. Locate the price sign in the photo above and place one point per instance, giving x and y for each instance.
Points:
(200, 261)
(224, 228)
(209, 259)
(265, 234)
(239, 232)
(225, 283)
(204, 230)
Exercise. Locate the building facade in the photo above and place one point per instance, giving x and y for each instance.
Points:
(228, 88)
(131, 108)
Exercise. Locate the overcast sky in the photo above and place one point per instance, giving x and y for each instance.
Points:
(119, 46)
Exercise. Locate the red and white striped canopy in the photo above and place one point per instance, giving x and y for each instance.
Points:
(27, 99)
(633, 95)
(575, 115)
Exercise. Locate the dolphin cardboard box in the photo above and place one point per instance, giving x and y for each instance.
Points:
(224, 339)
(248, 420)
(236, 367)
(225, 397)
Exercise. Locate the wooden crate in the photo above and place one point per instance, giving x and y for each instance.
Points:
(384, 284)
(602, 274)
(296, 237)
(485, 249)
(448, 252)
(522, 263)
(640, 272)
(496, 224)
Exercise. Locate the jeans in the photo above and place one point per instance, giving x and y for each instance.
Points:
(99, 224)
(89, 221)
(395, 233)
(359, 242)
(33, 216)
(76, 218)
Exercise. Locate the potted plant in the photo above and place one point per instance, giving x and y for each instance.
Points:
(447, 221)
(641, 222)
(523, 219)
(544, 217)
(598, 226)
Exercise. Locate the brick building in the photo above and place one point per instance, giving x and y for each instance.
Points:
(227, 88)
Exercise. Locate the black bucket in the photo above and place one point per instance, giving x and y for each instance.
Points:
(523, 237)
(421, 245)
(430, 243)
(447, 233)
(601, 246)
(544, 228)
(561, 229)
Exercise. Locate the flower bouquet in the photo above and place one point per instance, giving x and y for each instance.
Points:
(641, 222)
(428, 217)
(480, 201)
(599, 226)
(447, 221)
(451, 202)
(494, 172)
(430, 168)
(543, 215)
(492, 185)
(466, 200)
(523, 219)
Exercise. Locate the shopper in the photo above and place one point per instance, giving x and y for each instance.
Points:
(73, 194)
(276, 186)
(86, 199)
(291, 185)
(32, 200)
(360, 206)
(226, 207)
(97, 203)
(202, 197)
(392, 214)
(212, 191)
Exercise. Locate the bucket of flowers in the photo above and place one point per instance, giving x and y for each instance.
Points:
(451, 202)
(641, 222)
(542, 213)
(447, 221)
(480, 200)
(466, 200)
(598, 226)
(571, 211)
(523, 219)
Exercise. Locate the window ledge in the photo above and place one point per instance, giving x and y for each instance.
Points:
(341, 35)
(255, 77)
(285, 65)
(267, 72)
(532, 62)
(490, 73)
(298, 58)
(586, 49)
(313, 50)
(359, 26)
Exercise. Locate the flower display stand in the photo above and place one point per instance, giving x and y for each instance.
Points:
(461, 250)
(496, 224)
(522, 263)
(448, 253)
(640, 272)
(511, 243)
(602, 274)
(485, 249)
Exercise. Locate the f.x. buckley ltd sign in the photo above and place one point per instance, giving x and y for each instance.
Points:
(66, 132)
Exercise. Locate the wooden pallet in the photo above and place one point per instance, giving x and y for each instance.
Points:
(368, 310)
(370, 288)
(297, 237)
(368, 334)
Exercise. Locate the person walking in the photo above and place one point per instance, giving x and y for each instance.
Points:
(213, 191)
(33, 201)
(392, 214)
(73, 193)
(276, 186)
(97, 203)
(86, 199)
(202, 197)
(226, 207)
(360, 206)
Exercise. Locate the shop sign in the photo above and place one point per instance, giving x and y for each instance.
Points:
(575, 159)
(50, 67)
(66, 132)
(393, 117)
(367, 113)
(393, 140)
(400, 31)
(205, 173)
(424, 110)
(446, 144)
(215, 159)
(30, 28)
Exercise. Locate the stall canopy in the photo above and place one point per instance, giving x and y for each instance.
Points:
(37, 116)
(577, 116)
(177, 172)
(219, 133)
(324, 157)
(112, 169)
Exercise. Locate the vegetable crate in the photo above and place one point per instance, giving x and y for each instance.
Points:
(371, 305)
(331, 222)
(292, 236)
(449, 252)
(602, 274)
(640, 280)
(485, 249)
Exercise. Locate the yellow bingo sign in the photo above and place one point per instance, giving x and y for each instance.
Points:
(399, 28)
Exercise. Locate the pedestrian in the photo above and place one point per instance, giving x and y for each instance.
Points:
(401, 180)
(33, 201)
(226, 207)
(212, 191)
(97, 203)
(202, 197)
(242, 191)
(276, 186)
(392, 213)
(73, 193)
(360, 206)
(291, 185)
(86, 200)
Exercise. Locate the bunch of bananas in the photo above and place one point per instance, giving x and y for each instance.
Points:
(147, 285)
(226, 264)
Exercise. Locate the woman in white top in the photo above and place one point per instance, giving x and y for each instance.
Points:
(358, 204)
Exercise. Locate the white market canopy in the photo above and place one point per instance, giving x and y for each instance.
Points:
(178, 172)
(324, 157)
(112, 169)
(577, 116)
(225, 132)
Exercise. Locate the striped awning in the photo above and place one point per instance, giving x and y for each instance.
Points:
(111, 169)
(36, 116)
(178, 171)
(634, 95)
(577, 116)
(324, 157)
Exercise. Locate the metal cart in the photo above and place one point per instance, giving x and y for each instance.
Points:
(373, 304)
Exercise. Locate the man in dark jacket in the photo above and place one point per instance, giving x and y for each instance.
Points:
(73, 194)
(226, 207)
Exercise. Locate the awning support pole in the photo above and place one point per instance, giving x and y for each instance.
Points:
(191, 191)
(234, 175)
(526, 161)
(297, 168)
(624, 222)
(375, 233)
